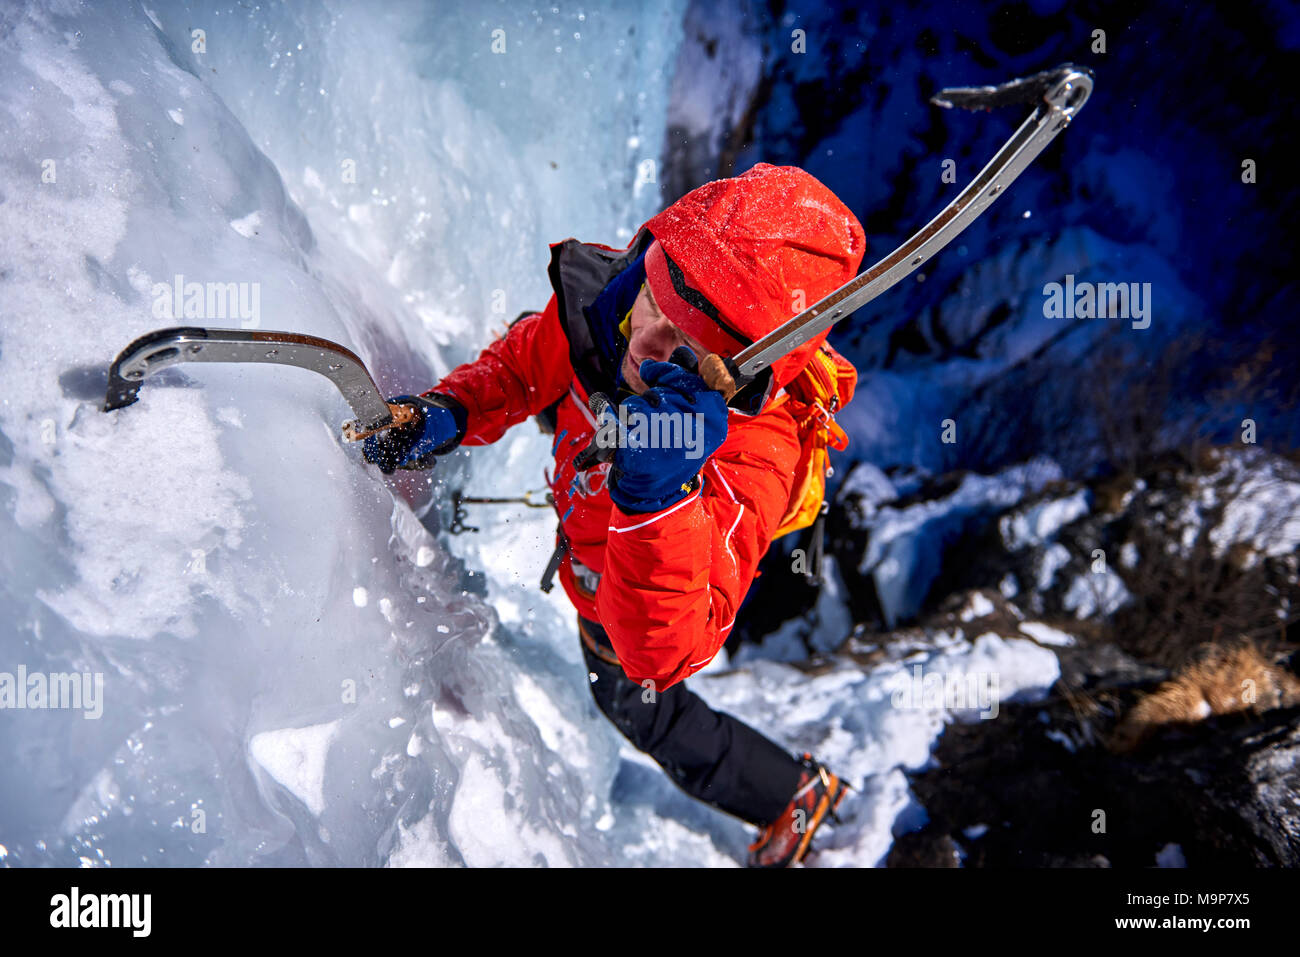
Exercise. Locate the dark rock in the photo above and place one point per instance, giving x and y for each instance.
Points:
(1034, 786)
(923, 849)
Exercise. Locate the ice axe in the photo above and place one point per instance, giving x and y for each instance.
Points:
(165, 347)
(1057, 96)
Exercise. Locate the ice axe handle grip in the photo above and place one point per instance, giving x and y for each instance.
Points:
(402, 415)
(723, 375)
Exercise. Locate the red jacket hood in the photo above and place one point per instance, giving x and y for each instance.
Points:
(735, 258)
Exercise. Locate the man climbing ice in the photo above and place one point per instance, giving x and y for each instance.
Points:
(658, 547)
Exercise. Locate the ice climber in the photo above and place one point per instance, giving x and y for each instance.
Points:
(660, 546)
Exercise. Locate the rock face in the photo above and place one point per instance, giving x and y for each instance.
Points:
(1192, 550)
(1038, 790)
(715, 86)
(895, 551)
(1171, 737)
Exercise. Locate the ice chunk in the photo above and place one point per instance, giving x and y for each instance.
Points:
(295, 757)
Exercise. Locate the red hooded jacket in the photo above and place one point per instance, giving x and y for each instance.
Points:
(733, 259)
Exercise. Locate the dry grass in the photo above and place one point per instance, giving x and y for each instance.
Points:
(1223, 679)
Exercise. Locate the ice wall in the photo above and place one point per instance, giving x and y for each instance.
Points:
(295, 671)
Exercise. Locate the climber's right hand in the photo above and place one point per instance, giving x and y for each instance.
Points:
(439, 427)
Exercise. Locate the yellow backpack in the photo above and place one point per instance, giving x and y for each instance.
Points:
(814, 396)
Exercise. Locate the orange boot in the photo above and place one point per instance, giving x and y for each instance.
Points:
(785, 841)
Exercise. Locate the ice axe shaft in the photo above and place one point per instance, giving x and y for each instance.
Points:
(166, 347)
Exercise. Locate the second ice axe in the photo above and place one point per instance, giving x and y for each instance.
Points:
(1057, 95)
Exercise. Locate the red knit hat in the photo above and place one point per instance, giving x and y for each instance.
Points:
(732, 257)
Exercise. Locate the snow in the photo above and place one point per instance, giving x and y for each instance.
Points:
(1251, 498)
(976, 607)
(248, 225)
(849, 719)
(1171, 855)
(871, 487)
(1046, 634)
(1096, 594)
(1055, 557)
(421, 846)
(1061, 738)
(1039, 523)
(488, 832)
(822, 629)
(905, 545)
(1264, 510)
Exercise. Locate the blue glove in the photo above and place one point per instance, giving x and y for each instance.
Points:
(646, 478)
(438, 428)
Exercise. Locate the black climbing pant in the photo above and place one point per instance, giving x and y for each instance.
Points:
(710, 755)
